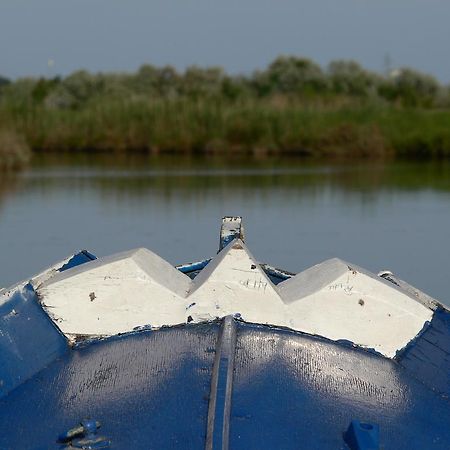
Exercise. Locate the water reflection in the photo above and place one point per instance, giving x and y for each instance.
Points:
(137, 176)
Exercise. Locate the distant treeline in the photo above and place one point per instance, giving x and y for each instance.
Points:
(293, 106)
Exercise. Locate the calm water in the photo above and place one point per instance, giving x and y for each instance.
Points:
(380, 216)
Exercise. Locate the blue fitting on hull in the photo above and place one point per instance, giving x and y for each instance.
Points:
(362, 436)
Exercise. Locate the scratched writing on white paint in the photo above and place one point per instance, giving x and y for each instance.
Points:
(254, 284)
(347, 288)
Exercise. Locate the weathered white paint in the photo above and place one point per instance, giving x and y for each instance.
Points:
(234, 283)
(138, 288)
(421, 296)
(341, 301)
(231, 226)
(116, 294)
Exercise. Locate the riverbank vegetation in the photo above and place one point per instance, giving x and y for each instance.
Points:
(292, 107)
(14, 150)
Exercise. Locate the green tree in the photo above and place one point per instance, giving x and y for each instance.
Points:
(348, 77)
(19, 94)
(292, 75)
(236, 87)
(198, 82)
(4, 81)
(167, 81)
(146, 80)
(43, 88)
(410, 87)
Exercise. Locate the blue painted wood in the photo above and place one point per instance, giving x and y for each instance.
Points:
(295, 391)
(275, 275)
(152, 389)
(193, 267)
(29, 341)
(428, 357)
(362, 436)
(149, 390)
(217, 437)
(80, 258)
(275, 278)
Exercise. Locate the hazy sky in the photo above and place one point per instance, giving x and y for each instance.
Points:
(240, 35)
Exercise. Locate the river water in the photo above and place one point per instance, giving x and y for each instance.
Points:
(296, 213)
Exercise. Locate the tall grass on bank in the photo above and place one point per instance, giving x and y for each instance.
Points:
(14, 150)
(251, 127)
(292, 107)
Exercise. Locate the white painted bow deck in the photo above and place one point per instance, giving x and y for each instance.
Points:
(136, 289)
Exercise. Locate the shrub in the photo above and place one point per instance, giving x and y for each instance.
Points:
(348, 77)
(75, 90)
(197, 82)
(411, 88)
(291, 75)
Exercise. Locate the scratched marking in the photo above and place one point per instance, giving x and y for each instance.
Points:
(347, 288)
(254, 284)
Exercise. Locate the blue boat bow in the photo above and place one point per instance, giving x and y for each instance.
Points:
(129, 352)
